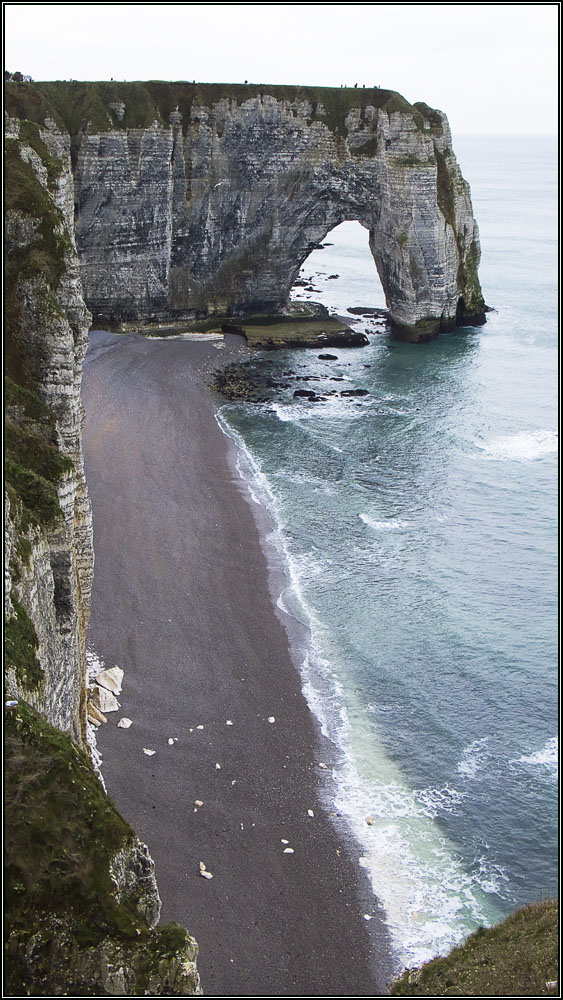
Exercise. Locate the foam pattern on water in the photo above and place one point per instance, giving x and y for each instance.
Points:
(544, 762)
(523, 447)
(415, 872)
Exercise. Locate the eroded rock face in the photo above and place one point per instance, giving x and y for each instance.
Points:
(47, 331)
(215, 202)
(57, 964)
(132, 870)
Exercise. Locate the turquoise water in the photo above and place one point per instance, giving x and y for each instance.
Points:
(418, 525)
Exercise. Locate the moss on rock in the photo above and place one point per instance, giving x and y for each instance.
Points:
(66, 922)
(21, 647)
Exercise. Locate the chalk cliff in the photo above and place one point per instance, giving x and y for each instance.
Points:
(81, 896)
(195, 200)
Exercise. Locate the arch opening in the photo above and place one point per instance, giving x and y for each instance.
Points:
(341, 272)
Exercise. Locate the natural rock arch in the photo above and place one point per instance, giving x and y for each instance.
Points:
(196, 200)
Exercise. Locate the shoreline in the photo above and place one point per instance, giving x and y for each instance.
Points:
(183, 602)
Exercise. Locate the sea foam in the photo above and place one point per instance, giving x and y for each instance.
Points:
(523, 447)
(545, 760)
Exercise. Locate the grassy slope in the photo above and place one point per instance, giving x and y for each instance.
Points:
(62, 832)
(516, 958)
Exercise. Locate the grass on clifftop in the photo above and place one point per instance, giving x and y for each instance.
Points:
(518, 957)
(75, 105)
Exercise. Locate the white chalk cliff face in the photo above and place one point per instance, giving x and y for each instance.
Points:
(213, 205)
(51, 575)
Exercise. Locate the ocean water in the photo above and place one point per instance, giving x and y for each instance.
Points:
(418, 528)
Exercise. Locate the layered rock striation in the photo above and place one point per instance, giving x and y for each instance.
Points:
(195, 200)
(81, 896)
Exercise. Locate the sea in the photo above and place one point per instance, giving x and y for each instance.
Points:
(417, 526)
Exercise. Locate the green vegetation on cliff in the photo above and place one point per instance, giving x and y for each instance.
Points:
(33, 462)
(62, 833)
(33, 468)
(517, 958)
(77, 106)
(21, 647)
(40, 253)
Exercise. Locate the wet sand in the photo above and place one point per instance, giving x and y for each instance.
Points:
(182, 603)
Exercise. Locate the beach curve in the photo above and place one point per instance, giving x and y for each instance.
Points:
(181, 601)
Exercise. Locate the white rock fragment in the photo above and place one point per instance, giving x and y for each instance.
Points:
(310, 813)
(104, 699)
(149, 753)
(111, 679)
(206, 874)
(170, 742)
(94, 714)
(124, 723)
(285, 841)
(199, 727)
(271, 719)
(203, 871)
(217, 767)
(369, 820)
(324, 766)
(289, 850)
(368, 916)
(229, 723)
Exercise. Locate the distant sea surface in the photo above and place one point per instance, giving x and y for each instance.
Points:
(418, 528)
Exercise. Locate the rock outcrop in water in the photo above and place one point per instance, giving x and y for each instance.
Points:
(81, 900)
(195, 200)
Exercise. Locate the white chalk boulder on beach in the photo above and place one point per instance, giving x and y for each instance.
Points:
(104, 700)
(124, 723)
(149, 753)
(111, 679)
(94, 715)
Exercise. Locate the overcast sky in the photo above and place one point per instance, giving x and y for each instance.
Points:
(491, 67)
